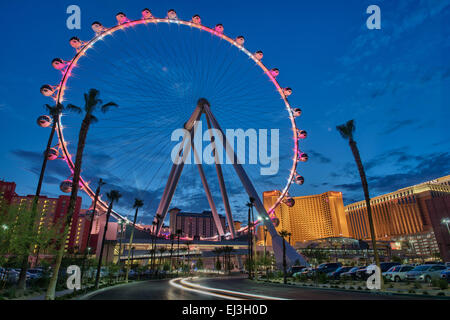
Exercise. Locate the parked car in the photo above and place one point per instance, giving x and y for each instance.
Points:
(425, 272)
(9, 274)
(337, 273)
(307, 272)
(445, 274)
(295, 269)
(351, 274)
(397, 273)
(35, 273)
(384, 266)
(327, 267)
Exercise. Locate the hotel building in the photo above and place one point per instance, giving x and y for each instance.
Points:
(411, 217)
(194, 224)
(50, 212)
(312, 217)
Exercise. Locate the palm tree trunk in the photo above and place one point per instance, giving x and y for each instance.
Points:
(131, 244)
(365, 186)
(24, 265)
(99, 266)
(71, 208)
(97, 192)
(171, 254)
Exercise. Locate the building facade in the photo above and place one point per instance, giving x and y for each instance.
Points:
(50, 212)
(311, 217)
(409, 215)
(53, 212)
(194, 224)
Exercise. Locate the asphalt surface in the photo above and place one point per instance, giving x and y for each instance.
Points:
(229, 288)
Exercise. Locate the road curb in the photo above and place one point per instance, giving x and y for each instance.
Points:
(359, 291)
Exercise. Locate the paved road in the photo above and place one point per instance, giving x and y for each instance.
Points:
(228, 288)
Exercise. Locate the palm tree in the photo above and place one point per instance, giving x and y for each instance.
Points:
(92, 102)
(217, 251)
(54, 112)
(151, 252)
(250, 205)
(179, 231)
(137, 204)
(346, 130)
(113, 196)
(162, 250)
(188, 244)
(227, 250)
(172, 238)
(284, 234)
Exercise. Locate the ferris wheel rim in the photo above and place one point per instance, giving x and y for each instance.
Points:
(110, 31)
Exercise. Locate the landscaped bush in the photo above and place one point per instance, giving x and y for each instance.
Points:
(443, 284)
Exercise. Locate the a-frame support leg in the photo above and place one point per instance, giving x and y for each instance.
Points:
(292, 256)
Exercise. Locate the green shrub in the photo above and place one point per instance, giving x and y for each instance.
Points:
(442, 284)
(11, 293)
(441, 294)
(425, 292)
(417, 285)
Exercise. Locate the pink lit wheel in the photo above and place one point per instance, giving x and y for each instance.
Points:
(156, 70)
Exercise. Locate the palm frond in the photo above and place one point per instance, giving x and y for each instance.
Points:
(107, 106)
(138, 203)
(114, 195)
(346, 130)
(74, 108)
(94, 119)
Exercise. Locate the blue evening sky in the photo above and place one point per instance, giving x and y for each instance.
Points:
(394, 82)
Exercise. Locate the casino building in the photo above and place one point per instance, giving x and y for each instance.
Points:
(311, 217)
(411, 217)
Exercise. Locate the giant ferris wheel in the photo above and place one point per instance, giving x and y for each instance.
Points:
(166, 74)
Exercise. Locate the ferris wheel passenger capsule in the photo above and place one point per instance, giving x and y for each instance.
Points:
(302, 134)
(172, 15)
(76, 43)
(146, 14)
(303, 157)
(47, 90)
(52, 154)
(44, 121)
(66, 186)
(259, 55)
(287, 91)
(121, 18)
(196, 19)
(274, 72)
(219, 28)
(299, 180)
(240, 40)
(297, 112)
(290, 202)
(98, 28)
(59, 64)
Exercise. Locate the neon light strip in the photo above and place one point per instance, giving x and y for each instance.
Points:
(90, 44)
(178, 286)
(249, 295)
